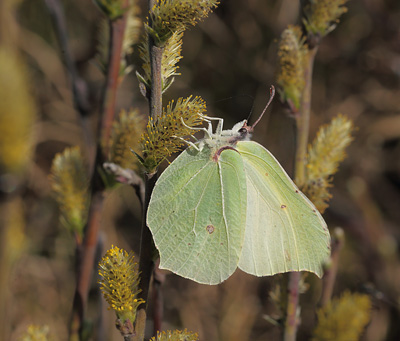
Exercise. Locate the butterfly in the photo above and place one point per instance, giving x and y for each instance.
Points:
(226, 203)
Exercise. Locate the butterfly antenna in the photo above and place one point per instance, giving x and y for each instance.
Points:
(271, 97)
(238, 96)
(251, 111)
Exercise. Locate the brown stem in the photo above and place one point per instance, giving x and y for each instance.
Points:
(8, 204)
(156, 53)
(85, 266)
(80, 89)
(146, 264)
(146, 246)
(158, 300)
(155, 104)
(328, 281)
(126, 329)
(157, 307)
(85, 252)
(117, 30)
(303, 120)
(292, 314)
(87, 259)
(5, 268)
(302, 128)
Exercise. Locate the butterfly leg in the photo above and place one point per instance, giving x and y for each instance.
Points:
(209, 119)
(206, 131)
(189, 143)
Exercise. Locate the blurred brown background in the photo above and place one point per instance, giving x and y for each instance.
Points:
(229, 60)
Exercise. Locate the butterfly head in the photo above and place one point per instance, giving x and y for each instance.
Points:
(242, 132)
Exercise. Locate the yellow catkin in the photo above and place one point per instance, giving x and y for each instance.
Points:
(17, 113)
(170, 16)
(163, 136)
(125, 137)
(120, 283)
(36, 333)
(324, 157)
(290, 75)
(170, 58)
(323, 15)
(70, 184)
(176, 335)
(343, 319)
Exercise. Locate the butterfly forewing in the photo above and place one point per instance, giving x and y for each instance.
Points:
(284, 231)
(197, 213)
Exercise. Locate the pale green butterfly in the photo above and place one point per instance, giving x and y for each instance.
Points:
(226, 202)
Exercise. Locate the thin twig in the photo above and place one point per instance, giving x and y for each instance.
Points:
(328, 281)
(86, 264)
(79, 86)
(86, 259)
(146, 264)
(156, 83)
(303, 120)
(86, 254)
(158, 299)
(80, 90)
(117, 30)
(292, 310)
(97, 188)
(8, 202)
(302, 128)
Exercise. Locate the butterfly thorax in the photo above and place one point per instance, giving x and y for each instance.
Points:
(226, 139)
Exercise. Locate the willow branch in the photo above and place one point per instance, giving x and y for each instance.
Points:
(79, 87)
(86, 261)
(158, 299)
(80, 91)
(302, 129)
(146, 264)
(156, 82)
(292, 313)
(328, 281)
(113, 79)
(303, 120)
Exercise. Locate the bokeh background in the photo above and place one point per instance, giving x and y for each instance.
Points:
(230, 61)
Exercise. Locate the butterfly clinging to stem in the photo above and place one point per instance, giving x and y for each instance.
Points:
(226, 202)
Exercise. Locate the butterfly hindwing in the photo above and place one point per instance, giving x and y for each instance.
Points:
(284, 231)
